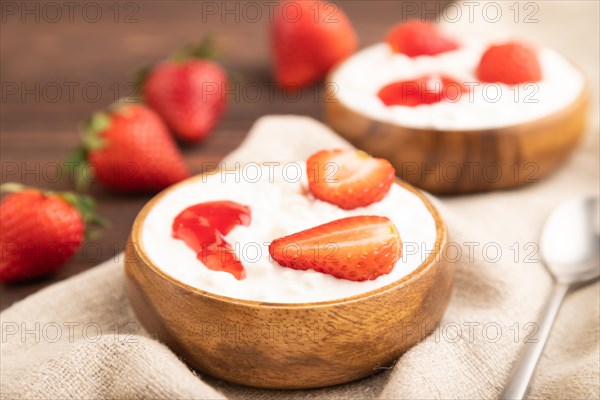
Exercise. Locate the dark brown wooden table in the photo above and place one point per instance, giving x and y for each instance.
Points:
(61, 62)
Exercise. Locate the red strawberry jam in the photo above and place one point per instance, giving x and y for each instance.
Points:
(203, 228)
(428, 89)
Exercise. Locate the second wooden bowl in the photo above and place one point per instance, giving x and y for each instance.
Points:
(453, 161)
(274, 345)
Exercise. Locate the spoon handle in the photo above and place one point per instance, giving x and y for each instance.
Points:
(520, 377)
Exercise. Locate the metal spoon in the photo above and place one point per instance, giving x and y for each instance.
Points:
(570, 247)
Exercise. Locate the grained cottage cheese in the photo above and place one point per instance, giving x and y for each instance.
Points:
(486, 105)
(281, 205)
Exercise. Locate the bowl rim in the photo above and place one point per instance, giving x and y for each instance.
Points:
(582, 97)
(433, 257)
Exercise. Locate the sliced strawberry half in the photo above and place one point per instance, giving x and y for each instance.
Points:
(415, 38)
(428, 89)
(349, 178)
(355, 248)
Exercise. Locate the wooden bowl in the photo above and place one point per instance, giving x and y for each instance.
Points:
(288, 346)
(455, 161)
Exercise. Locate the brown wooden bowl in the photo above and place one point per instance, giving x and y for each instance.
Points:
(274, 345)
(454, 161)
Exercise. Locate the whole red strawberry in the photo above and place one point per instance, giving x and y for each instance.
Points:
(355, 248)
(510, 63)
(415, 38)
(308, 38)
(39, 230)
(188, 91)
(130, 150)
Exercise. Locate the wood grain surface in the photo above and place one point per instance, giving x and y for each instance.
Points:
(265, 344)
(58, 66)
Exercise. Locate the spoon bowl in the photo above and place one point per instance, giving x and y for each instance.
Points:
(570, 241)
(570, 252)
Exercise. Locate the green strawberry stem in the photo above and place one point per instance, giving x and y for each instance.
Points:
(91, 131)
(205, 49)
(139, 77)
(78, 158)
(85, 205)
(93, 127)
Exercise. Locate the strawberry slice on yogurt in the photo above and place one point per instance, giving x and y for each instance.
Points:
(428, 89)
(203, 227)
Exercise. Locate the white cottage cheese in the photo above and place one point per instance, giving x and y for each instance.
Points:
(280, 205)
(486, 105)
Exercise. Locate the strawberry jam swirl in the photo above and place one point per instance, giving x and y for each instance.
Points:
(203, 228)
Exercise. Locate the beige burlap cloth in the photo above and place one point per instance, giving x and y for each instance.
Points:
(79, 338)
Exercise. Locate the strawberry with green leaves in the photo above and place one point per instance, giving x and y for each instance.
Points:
(128, 148)
(188, 91)
(40, 230)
